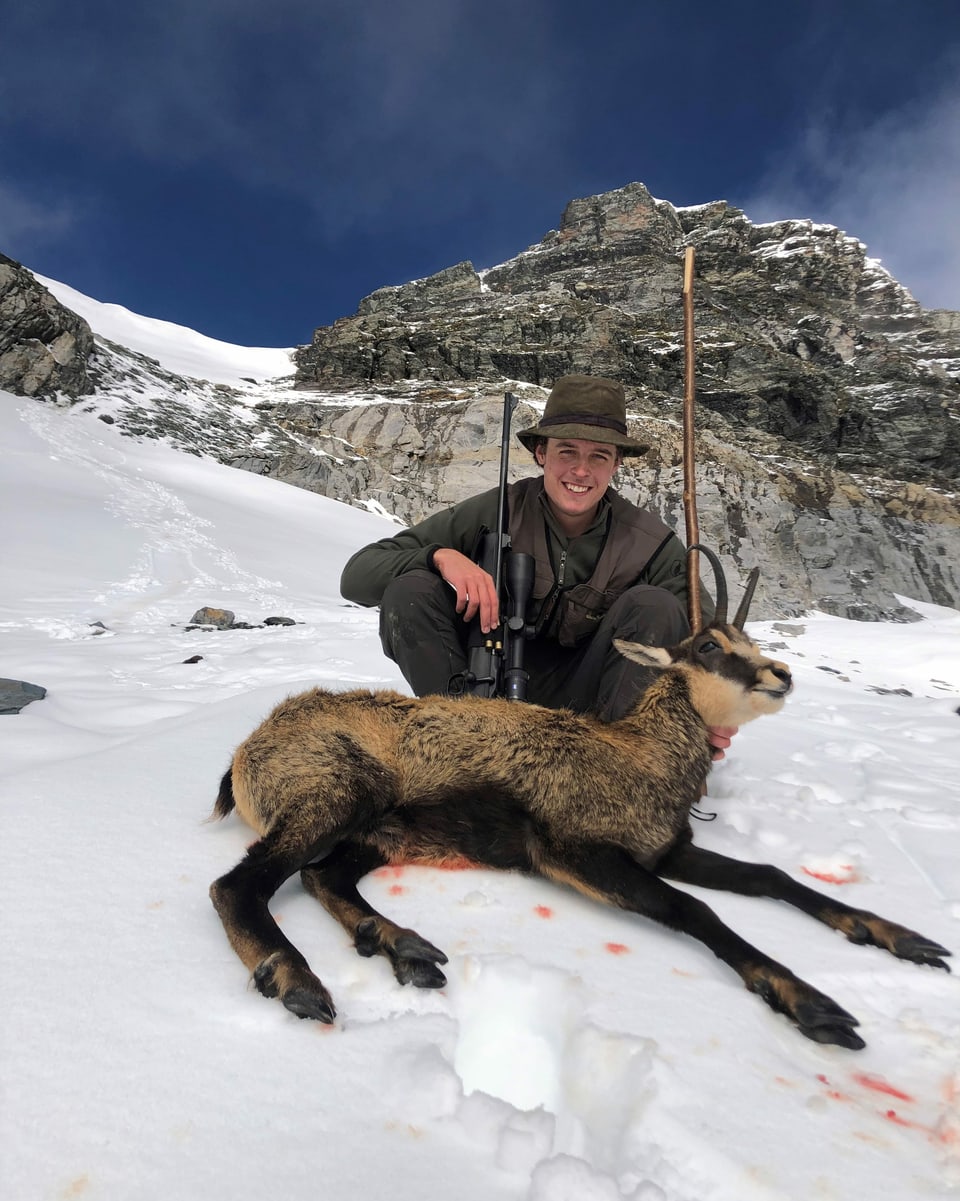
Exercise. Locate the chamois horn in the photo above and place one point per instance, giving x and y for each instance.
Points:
(721, 581)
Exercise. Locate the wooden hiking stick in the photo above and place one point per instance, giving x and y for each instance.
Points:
(689, 456)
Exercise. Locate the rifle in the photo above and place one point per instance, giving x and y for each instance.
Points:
(495, 660)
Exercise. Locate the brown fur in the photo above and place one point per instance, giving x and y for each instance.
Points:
(336, 784)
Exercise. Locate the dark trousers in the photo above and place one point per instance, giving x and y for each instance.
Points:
(426, 638)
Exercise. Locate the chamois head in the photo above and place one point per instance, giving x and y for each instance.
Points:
(730, 681)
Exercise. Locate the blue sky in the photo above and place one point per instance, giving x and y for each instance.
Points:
(253, 169)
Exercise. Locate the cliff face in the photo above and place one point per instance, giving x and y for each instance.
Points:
(44, 347)
(799, 334)
(828, 401)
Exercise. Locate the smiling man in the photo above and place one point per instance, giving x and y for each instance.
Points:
(605, 568)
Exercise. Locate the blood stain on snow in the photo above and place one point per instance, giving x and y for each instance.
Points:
(76, 1188)
(845, 873)
(397, 890)
(617, 948)
(892, 1116)
(833, 1093)
(393, 870)
(872, 1139)
(943, 1132)
(543, 911)
(879, 1085)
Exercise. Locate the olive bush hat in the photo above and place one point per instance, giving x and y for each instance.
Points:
(585, 406)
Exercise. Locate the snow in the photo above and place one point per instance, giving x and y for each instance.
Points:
(178, 349)
(577, 1052)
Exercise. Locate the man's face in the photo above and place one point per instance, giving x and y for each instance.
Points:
(576, 473)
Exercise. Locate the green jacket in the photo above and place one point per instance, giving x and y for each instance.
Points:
(371, 569)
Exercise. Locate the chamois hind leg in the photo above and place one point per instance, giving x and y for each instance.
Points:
(693, 865)
(334, 884)
(608, 874)
(241, 898)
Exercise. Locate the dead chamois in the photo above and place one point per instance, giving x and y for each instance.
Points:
(338, 784)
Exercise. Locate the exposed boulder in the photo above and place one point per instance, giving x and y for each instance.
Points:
(15, 695)
(44, 347)
(217, 619)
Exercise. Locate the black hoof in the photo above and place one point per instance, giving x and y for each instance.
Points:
(839, 1036)
(307, 1004)
(821, 1011)
(824, 1021)
(367, 938)
(414, 962)
(816, 1016)
(917, 949)
(419, 972)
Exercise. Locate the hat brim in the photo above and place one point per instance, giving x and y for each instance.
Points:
(589, 433)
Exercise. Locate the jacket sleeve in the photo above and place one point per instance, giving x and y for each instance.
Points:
(668, 569)
(371, 569)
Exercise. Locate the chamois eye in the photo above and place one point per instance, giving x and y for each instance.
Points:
(708, 646)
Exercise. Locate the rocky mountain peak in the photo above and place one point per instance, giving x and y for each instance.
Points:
(800, 334)
(828, 418)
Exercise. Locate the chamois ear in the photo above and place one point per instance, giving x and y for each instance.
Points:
(649, 656)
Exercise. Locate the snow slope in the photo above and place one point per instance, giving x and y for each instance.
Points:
(577, 1054)
(178, 349)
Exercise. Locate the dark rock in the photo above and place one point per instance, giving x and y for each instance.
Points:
(44, 347)
(799, 334)
(194, 659)
(279, 621)
(17, 694)
(220, 619)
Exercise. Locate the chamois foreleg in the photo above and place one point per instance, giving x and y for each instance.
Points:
(610, 875)
(334, 884)
(242, 897)
(693, 865)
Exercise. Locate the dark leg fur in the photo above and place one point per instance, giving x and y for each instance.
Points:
(692, 865)
(610, 875)
(241, 898)
(334, 884)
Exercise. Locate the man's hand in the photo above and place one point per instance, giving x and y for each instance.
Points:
(474, 587)
(720, 738)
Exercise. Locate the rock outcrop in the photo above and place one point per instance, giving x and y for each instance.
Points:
(44, 347)
(828, 399)
(800, 334)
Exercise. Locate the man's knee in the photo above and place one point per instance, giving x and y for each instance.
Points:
(418, 587)
(414, 609)
(649, 615)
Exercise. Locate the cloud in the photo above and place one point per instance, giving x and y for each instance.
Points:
(29, 222)
(893, 182)
(352, 107)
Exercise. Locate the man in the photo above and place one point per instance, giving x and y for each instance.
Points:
(605, 568)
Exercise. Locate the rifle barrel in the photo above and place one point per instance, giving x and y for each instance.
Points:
(509, 404)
